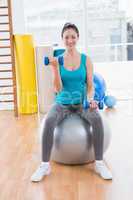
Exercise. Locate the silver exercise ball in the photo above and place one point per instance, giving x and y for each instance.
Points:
(70, 141)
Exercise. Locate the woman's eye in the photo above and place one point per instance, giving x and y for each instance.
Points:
(67, 38)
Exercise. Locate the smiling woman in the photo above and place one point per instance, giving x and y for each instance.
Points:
(106, 35)
(73, 83)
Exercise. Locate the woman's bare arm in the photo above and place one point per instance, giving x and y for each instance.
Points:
(90, 86)
(57, 83)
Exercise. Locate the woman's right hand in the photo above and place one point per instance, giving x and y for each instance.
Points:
(53, 62)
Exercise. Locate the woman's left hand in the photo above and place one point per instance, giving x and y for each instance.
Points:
(93, 104)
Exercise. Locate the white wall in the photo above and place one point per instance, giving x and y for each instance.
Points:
(18, 16)
(118, 77)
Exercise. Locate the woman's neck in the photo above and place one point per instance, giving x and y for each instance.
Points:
(71, 52)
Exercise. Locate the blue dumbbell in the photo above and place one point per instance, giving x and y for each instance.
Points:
(60, 60)
(86, 105)
(100, 105)
(46, 61)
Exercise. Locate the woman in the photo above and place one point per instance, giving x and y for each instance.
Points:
(72, 81)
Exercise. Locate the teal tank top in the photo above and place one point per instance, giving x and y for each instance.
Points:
(73, 84)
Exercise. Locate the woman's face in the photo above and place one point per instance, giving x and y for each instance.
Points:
(70, 38)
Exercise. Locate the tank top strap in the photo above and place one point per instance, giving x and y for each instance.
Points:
(59, 64)
(83, 59)
(83, 64)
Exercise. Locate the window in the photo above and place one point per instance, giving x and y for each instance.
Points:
(102, 25)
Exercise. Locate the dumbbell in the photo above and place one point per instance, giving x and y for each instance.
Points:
(86, 105)
(60, 60)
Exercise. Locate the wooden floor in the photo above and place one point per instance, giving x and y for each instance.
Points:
(20, 155)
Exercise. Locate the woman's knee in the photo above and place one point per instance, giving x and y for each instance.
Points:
(50, 120)
(96, 117)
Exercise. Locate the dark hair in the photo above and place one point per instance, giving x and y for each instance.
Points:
(69, 26)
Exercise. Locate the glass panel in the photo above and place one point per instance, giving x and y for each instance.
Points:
(103, 27)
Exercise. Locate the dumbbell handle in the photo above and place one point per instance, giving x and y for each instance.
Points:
(86, 105)
(60, 60)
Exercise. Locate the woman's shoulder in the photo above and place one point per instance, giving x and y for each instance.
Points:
(86, 57)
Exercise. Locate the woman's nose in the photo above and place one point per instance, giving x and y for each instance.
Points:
(70, 42)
